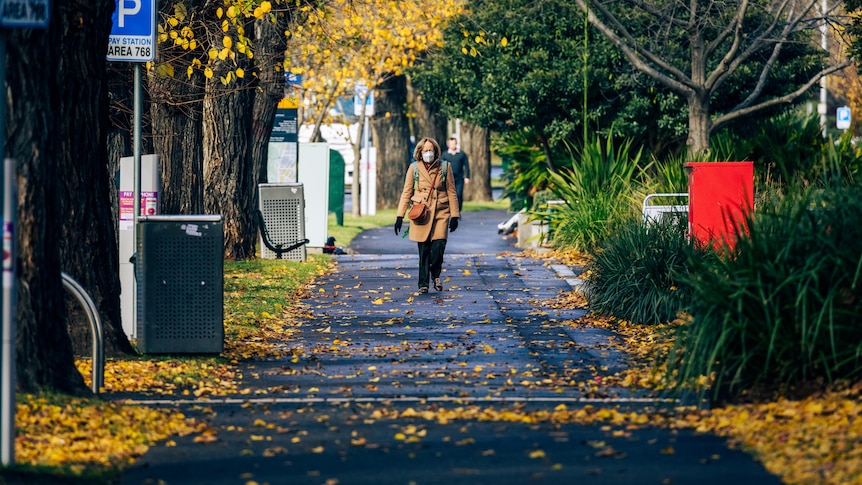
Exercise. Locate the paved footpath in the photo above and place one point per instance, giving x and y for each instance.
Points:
(373, 360)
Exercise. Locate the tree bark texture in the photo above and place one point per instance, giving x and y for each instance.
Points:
(428, 121)
(56, 129)
(391, 136)
(699, 125)
(176, 109)
(121, 116)
(230, 181)
(88, 248)
(476, 143)
(270, 45)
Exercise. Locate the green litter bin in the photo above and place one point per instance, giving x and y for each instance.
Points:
(336, 185)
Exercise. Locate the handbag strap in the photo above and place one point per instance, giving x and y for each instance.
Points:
(433, 182)
(444, 169)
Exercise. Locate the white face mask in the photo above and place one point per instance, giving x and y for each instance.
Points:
(428, 156)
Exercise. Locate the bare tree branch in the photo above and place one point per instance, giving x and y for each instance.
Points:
(633, 50)
(787, 98)
(734, 27)
(721, 37)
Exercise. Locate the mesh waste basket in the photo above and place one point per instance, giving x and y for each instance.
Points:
(283, 209)
(180, 284)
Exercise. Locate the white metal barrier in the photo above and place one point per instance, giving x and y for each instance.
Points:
(658, 213)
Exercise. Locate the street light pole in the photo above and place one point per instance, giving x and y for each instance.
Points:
(821, 108)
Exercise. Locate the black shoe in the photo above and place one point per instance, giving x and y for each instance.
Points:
(423, 289)
(438, 285)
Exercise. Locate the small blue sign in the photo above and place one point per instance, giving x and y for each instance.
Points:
(133, 31)
(360, 92)
(842, 118)
(25, 13)
(293, 80)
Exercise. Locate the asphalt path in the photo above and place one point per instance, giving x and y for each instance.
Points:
(383, 385)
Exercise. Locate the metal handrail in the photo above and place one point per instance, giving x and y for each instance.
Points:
(650, 196)
(95, 325)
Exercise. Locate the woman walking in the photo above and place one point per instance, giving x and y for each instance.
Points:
(429, 182)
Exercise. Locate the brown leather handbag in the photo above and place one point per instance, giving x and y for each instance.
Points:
(419, 211)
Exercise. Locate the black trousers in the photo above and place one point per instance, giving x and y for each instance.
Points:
(459, 190)
(430, 260)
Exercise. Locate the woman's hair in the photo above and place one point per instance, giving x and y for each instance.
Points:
(417, 152)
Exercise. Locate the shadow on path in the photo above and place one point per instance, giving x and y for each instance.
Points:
(386, 386)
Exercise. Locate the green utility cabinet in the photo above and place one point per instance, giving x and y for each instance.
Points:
(336, 185)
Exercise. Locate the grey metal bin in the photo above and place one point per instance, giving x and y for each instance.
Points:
(283, 208)
(180, 284)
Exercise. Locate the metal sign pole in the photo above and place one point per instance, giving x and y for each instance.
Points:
(10, 296)
(136, 140)
(133, 39)
(7, 379)
(366, 166)
(136, 154)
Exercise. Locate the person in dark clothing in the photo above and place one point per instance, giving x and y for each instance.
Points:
(460, 167)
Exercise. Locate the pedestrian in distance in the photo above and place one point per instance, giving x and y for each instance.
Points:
(460, 167)
(429, 181)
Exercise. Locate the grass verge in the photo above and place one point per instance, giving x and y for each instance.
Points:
(64, 440)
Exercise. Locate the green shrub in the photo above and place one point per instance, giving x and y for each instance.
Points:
(599, 167)
(785, 305)
(584, 224)
(668, 176)
(841, 162)
(635, 273)
(786, 147)
(598, 188)
(540, 200)
(525, 167)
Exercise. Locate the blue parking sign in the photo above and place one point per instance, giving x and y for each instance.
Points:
(842, 118)
(133, 31)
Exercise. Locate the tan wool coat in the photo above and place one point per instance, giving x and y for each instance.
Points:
(442, 202)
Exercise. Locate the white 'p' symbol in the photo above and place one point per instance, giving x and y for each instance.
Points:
(136, 7)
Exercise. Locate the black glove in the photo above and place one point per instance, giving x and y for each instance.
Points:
(453, 224)
(398, 222)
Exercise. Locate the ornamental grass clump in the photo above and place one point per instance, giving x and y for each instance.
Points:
(636, 273)
(783, 307)
(597, 187)
(583, 225)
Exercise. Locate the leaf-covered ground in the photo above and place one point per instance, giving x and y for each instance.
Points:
(813, 440)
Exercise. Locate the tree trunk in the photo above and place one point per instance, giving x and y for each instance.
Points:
(476, 143)
(176, 109)
(120, 113)
(177, 112)
(699, 125)
(229, 176)
(270, 45)
(88, 248)
(391, 134)
(57, 93)
(428, 120)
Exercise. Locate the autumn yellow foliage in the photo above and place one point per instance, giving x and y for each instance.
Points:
(79, 433)
(813, 440)
(346, 42)
(804, 441)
